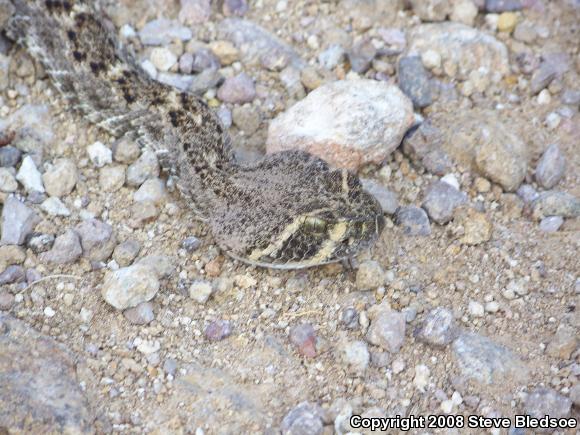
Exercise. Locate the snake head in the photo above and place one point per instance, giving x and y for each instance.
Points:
(291, 211)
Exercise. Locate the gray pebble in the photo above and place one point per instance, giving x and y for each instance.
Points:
(569, 96)
(142, 314)
(553, 66)
(146, 166)
(304, 419)
(61, 178)
(163, 31)
(66, 249)
(551, 224)
(555, 203)
(349, 318)
(130, 286)
(355, 354)
(414, 81)
(170, 366)
(503, 5)
(126, 150)
(551, 167)
(12, 274)
(36, 197)
(9, 156)
(380, 359)
(162, 265)
(437, 162)
(126, 252)
(545, 401)
(207, 79)
(40, 242)
(97, 239)
(414, 221)
(191, 244)
(387, 199)
(235, 7)
(527, 193)
(246, 118)
(441, 200)
(239, 89)
(218, 330)
(361, 56)
(369, 275)
(18, 221)
(6, 300)
(438, 328)
(387, 330)
(186, 63)
(204, 59)
(32, 275)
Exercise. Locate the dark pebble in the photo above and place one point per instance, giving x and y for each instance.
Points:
(9, 156)
(414, 81)
(414, 221)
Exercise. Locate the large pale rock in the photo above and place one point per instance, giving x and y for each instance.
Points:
(39, 387)
(462, 48)
(347, 123)
(130, 286)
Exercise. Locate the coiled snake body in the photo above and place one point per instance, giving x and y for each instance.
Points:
(288, 210)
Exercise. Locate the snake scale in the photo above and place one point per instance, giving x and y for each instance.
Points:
(288, 210)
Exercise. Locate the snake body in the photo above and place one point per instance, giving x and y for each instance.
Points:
(288, 210)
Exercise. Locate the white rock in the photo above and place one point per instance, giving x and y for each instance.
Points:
(29, 176)
(200, 291)
(431, 59)
(151, 190)
(55, 207)
(49, 312)
(8, 182)
(129, 286)
(148, 347)
(421, 379)
(544, 97)
(348, 123)
(162, 58)
(99, 154)
(451, 180)
(476, 309)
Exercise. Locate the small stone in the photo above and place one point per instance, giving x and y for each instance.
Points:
(387, 199)
(130, 286)
(126, 150)
(142, 314)
(143, 213)
(354, 354)
(239, 89)
(97, 238)
(163, 32)
(304, 338)
(11, 254)
(527, 193)
(349, 318)
(516, 287)
(146, 166)
(49, 312)
(12, 274)
(507, 22)
(162, 58)
(476, 309)
(503, 5)
(186, 63)
(311, 78)
(438, 328)
(226, 52)
(99, 154)
(170, 366)
(200, 291)
(569, 96)
(369, 275)
(65, 250)
(304, 419)
(151, 190)
(112, 178)
(8, 182)
(398, 365)
(525, 32)
(147, 347)
(126, 252)
(544, 97)
(361, 55)
(18, 221)
(162, 265)
(191, 244)
(246, 118)
(195, 11)
(414, 81)
(9, 156)
(422, 376)
(235, 7)
(55, 207)
(563, 343)
(387, 330)
(6, 300)
(486, 362)
(413, 220)
(61, 178)
(331, 57)
(554, 203)
(492, 307)
(441, 200)
(204, 59)
(218, 330)
(551, 224)
(464, 12)
(431, 59)
(29, 176)
(476, 225)
(275, 60)
(551, 167)
(431, 10)
(543, 402)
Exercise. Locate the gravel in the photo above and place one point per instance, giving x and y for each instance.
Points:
(414, 221)
(130, 286)
(440, 201)
(18, 221)
(438, 327)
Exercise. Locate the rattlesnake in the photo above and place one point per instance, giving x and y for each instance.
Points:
(288, 210)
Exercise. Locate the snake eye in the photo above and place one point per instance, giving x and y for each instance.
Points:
(315, 224)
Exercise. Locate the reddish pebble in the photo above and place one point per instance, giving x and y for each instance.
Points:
(304, 338)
